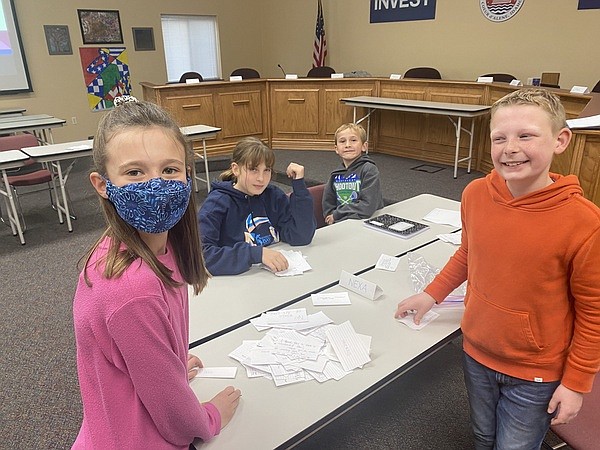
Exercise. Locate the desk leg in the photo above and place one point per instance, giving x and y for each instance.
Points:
(458, 127)
(471, 144)
(64, 207)
(11, 209)
(206, 165)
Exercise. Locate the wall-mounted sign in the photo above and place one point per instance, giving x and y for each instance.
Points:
(401, 10)
(500, 10)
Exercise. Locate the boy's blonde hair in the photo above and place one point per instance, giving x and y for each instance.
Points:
(183, 237)
(542, 98)
(358, 129)
(250, 152)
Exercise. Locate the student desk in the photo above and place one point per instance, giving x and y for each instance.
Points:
(204, 132)
(8, 112)
(451, 110)
(228, 301)
(278, 417)
(54, 154)
(41, 125)
(11, 159)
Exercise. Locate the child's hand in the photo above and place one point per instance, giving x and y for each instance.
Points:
(274, 260)
(421, 303)
(193, 364)
(295, 171)
(227, 402)
(329, 219)
(567, 402)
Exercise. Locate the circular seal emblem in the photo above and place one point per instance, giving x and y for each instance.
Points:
(500, 10)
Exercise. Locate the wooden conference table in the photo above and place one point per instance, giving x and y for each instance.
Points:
(229, 301)
(280, 417)
(11, 159)
(451, 110)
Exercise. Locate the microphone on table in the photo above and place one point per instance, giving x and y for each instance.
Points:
(284, 74)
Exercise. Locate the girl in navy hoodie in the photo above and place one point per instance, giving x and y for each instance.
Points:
(243, 214)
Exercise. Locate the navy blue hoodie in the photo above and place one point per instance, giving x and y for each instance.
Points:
(235, 226)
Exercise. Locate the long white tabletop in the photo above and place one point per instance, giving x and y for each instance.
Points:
(277, 417)
(42, 126)
(15, 111)
(228, 301)
(451, 110)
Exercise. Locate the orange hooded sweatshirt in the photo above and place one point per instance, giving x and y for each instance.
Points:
(532, 309)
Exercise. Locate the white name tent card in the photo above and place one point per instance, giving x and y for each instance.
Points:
(580, 90)
(485, 79)
(192, 81)
(291, 76)
(360, 286)
(516, 83)
(235, 78)
(585, 122)
(337, 75)
(395, 76)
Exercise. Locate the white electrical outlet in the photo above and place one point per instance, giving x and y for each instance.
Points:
(74, 120)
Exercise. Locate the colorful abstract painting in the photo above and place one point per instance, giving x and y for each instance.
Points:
(106, 75)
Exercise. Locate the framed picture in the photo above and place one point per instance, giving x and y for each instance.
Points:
(58, 39)
(100, 26)
(143, 39)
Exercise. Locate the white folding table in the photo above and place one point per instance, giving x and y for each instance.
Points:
(53, 154)
(40, 125)
(451, 110)
(11, 159)
(203, 132)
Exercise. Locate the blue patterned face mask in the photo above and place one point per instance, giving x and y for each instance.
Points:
(153, 206)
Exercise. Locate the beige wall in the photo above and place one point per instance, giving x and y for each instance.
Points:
(546, 35)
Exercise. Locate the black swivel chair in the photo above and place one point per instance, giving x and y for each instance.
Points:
(501, 77)
(246, 73)
(423, 72)
(320, 72)
(190, 76)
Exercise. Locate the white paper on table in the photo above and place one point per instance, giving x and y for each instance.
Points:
(359, 285)
(297, 264)
(444, 217)
(259, 356)
(585, 122)
(332, 298)
(216, 372)
(242, 353)
(320, 377)
(286, 316)
(347, 346)
(315, 320)
(450, 238)
(426, 320)
(335, 370)
(387, 262)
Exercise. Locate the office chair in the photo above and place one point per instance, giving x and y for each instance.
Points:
(320, 72)
(190, 76)
(423, 72)
(246, 73)
(597, 87)
(31, 174)
(583, 432)
(501, 77)
(316, 193)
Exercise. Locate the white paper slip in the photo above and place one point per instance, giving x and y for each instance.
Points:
(451, 238)
(585, 122)
(286, 316)
(347, 346)
(217, 372)
(297, 264)
(444, 217)
(387, 262)
(333, 298)
(426, 320)
(359, 285)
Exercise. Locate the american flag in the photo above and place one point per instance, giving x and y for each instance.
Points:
(320, 47)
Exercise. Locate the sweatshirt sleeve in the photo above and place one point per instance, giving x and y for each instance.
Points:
(583, 359)
(329, 198)
(296, 221)
(369, 197)
(221, 259)
(145, 343)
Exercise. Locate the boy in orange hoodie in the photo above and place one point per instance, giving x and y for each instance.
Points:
(531, 253)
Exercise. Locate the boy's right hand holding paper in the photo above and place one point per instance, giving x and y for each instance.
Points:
(418, 303)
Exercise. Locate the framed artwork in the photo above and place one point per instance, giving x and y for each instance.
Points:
(143, 39)
(58, 39)
(100, 26)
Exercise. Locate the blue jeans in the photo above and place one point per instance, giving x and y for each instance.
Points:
(506, 413)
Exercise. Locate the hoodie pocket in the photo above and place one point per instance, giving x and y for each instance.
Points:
(498, 330)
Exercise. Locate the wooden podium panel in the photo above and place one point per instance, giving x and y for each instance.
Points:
(243, 111)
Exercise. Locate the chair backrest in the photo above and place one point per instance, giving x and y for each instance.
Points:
(423, 72)
(246, 73)
(583, 433)
(18, 141)
(317, 195)
(190, 76)
(597, 87)
(501, 77)
(320, 72)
